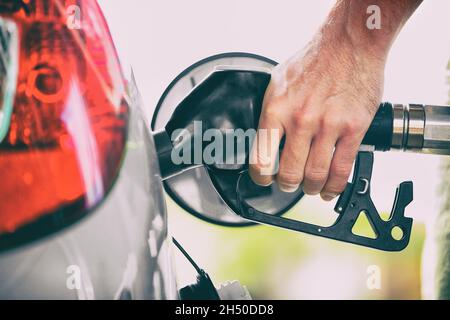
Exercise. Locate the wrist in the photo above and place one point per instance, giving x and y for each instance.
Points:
(347, 26)
(353, 45)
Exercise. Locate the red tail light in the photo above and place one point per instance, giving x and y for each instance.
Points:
(68, 126)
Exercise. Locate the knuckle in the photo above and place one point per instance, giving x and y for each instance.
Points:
(257, 167)
(340, 172)
(330, 122)
(303, 120)
(289, 177)
(334, 188)
(260, 170)
(316, 176)
(353, 127)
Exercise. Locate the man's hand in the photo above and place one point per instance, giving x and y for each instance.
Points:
(324, 99)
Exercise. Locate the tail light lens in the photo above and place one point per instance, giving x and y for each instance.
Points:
(65, 133)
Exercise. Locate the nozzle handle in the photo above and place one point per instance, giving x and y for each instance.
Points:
(380, 131)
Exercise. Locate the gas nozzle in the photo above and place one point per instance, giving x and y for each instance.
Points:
(411, 127)
(231, 98)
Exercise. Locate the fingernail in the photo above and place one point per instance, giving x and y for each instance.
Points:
(289, 188)
(262, 184)
(329, 196)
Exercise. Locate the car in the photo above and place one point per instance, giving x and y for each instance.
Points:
(82, 209)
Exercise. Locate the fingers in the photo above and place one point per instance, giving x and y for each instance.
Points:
(264, 154)
(318, 163)
(293, 160)
(317, 153)
(340, 168)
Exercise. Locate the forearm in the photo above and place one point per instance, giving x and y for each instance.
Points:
(349, 23)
